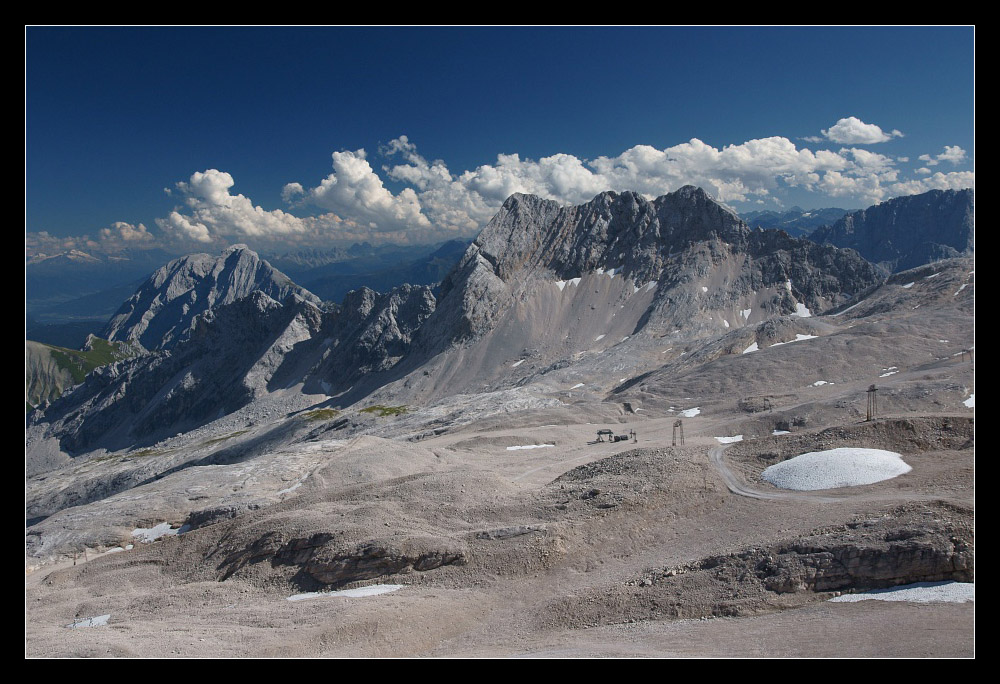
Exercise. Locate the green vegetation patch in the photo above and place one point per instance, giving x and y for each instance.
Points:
(321, 414)
(383, 411)
(216, 440)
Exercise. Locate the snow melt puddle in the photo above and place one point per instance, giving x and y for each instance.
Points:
(692, 412)
(147, 535)
(517, 363)
(373, 590)
(971, 401)
(920, 592)
(99, 621)
(730, 440)
(843, 467)
(908, 286)
(751, 348)
(530, 446)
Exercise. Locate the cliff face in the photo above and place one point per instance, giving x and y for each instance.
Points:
(164, 308)
(664, 245)
(907, 232)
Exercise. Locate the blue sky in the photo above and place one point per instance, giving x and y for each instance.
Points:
(306, 137)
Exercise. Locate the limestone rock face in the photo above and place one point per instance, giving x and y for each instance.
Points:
(164, 308)
(667, 244)
(906, 232)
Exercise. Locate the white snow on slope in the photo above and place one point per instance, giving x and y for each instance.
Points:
(563, 283)
(781, 432)
(577, 385)
(932, 275)
(960, 289)
(517, 363)
(921, 592)
(971, 401)
(908, 286)
(151, 534)
(843, 467)
(692, 412)
(99, 621)
(751, 348)
(820, 383)
(373, 590)
(730, 440)
(725, 323)
(801, 311)
(704, 289)
(746, 313)
(598, 338)
(798, 338)
(529, 446)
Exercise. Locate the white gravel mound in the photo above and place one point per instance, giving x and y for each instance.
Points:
(844, 467)
(921, 592)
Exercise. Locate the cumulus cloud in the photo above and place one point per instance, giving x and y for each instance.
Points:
(854, 131)
(214, 213)
(435, 202)
(355, 190)
(952, 153)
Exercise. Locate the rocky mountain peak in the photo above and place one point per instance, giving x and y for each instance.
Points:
(164, 308)
(906, 232)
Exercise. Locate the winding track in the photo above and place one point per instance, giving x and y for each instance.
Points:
(734, 484)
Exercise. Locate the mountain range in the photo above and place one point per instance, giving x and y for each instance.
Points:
(262, 446)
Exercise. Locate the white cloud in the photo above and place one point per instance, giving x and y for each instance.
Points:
(355, 190)
(854, 131)
(952, 153)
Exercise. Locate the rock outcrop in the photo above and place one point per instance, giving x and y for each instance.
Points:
(907, 232)
(165, 307)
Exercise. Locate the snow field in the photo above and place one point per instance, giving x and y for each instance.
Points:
(843, 467)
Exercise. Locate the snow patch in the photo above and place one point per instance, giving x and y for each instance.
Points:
(598, 338)
(725, 322)
(529, 446)
(651, 286)
(99, 621)
(692, 412)
(577, 385)
(798, 338)
(147, 535)
(781, 432)
(932, 275)
(746, 313)
(908, 286)
(920, 592)
(517, 363)
(704, 289)
(373, 590)
(820, 383)
(970, 402)
(801, 311)
(730, 440)
(843, 467)
(751, 348)
(563, 283)
(960, 289)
